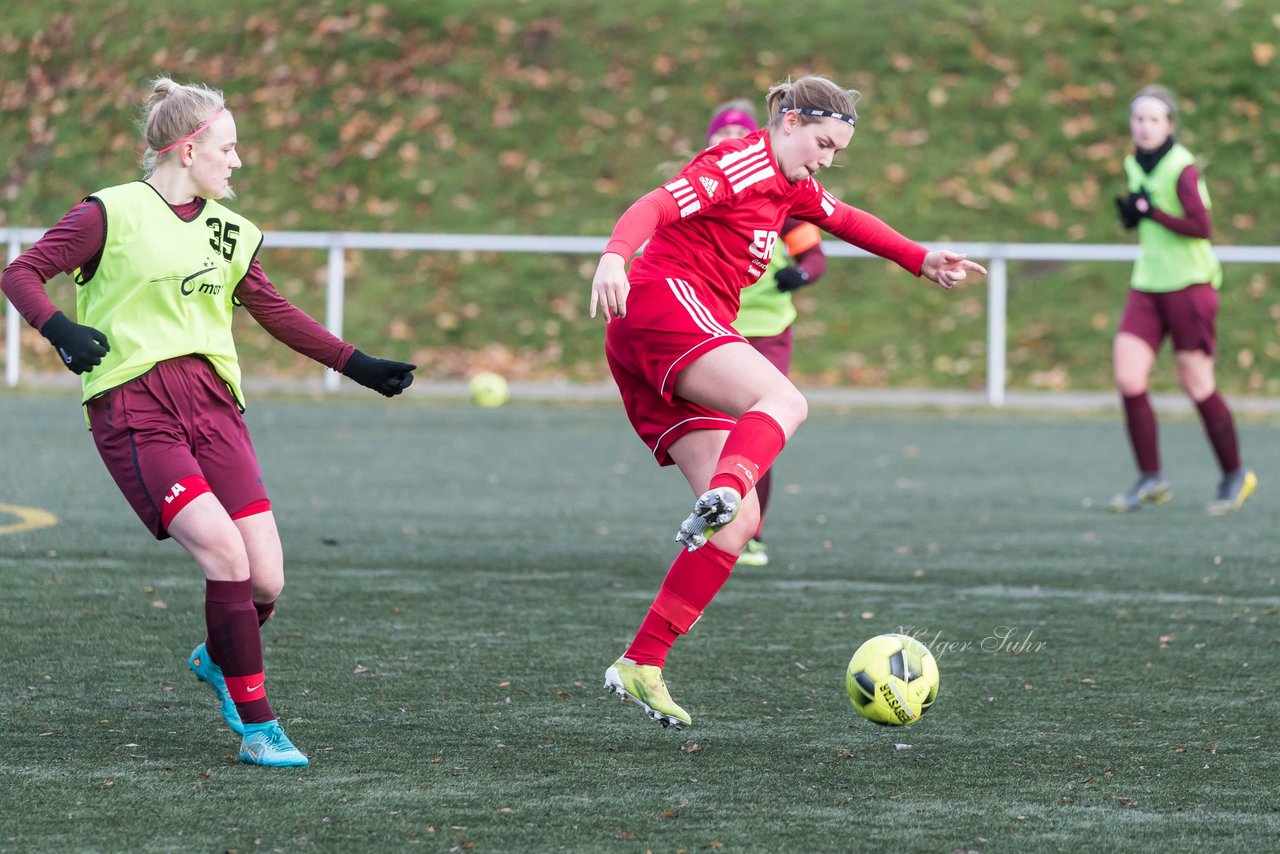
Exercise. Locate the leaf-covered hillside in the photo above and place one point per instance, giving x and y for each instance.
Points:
(982, 121)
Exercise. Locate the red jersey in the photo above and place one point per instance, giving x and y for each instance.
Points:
(732, 203)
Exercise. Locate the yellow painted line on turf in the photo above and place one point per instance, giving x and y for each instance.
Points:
(29, 518)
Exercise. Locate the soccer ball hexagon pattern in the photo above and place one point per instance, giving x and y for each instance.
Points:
(892, 679)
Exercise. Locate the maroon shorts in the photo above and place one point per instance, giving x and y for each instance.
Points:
(177, 421)
(1188, 316)
(777, 349)
(666, 329)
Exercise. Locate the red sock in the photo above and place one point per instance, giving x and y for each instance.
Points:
(1140, 419)
(236, 646)
(753, 444)
(1222, 431)
(691, 583)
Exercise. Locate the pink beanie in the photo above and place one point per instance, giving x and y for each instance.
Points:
(731, 116)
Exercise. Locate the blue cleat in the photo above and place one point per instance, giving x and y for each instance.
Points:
(211, 674)
(266, 744)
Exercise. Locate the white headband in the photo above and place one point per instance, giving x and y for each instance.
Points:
(1160, 102)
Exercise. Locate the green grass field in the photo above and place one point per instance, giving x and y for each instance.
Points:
(460, 578)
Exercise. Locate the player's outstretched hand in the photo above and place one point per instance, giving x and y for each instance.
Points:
(81, 347)
(384, 376)
(610, 287)
(948, 268)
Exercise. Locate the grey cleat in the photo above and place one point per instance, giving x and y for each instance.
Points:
(1150, 489)
(711, 512)
(1233, 489)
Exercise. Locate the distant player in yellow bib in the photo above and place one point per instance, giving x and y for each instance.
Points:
(767, 311)
(1173, 293)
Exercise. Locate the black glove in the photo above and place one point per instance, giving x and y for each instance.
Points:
(81, 347)
(384, 376)
(791, 278)
(1127, 207)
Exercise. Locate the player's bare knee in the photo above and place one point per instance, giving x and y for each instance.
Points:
(733, 537)
(733, 540)
(790, 411)
(1130, 383)
(223, 559)
(802, 409)
(1198, 388)
(267, 589)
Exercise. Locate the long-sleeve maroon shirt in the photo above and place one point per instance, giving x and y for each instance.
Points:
(1194, 221)
(79, 237)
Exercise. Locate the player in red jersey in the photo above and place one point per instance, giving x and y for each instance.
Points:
(766, 312)
(696, 392)
(160, 265)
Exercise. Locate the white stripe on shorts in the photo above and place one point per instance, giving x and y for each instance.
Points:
(701, 316)
(728, 422)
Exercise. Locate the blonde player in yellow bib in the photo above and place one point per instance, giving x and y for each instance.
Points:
(160, 266)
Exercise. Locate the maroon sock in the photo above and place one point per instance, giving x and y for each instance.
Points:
(691, 583)
(236, 645)
(1221, 428)
(753, 444)
(1140, 419)
(762, 495)
(265, 610)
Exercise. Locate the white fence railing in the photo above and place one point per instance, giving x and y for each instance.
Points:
(996, 256)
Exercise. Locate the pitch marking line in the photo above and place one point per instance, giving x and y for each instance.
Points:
(29, 518)
(1000, 591)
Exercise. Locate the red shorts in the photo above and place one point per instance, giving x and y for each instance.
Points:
(777, 349)
(666, 329)
(177, 421)
(1188, 316)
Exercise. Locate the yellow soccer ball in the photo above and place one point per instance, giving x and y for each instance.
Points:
(489, 389)
(892, 679)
